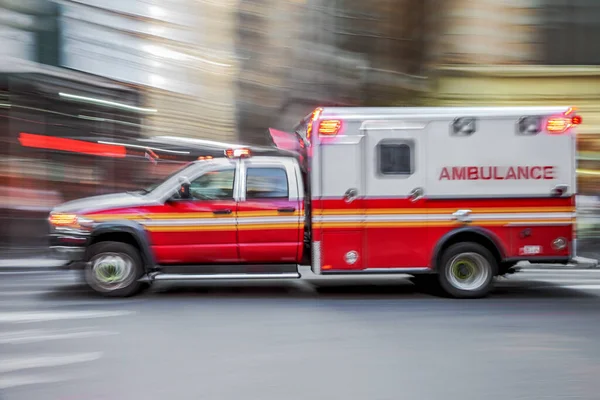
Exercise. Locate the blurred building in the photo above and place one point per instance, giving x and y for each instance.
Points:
(299, 54)
(180, 53)
(524, 52)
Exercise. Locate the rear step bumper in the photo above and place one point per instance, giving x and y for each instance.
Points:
(158, 276)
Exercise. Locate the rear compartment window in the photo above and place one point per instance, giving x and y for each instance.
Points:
(395, 158)
(266, 183)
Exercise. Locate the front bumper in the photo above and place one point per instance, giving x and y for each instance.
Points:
(69, 245)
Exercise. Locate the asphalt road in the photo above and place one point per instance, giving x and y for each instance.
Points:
(535, 338)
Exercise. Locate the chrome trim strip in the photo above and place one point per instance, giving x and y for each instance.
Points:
(438, 217)
(270, 220)
(452, 197)
(59, 230)
(397, 270)
(185, 277)
(188, 222)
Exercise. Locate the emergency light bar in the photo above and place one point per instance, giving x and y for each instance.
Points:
(327, 127)
(237, 153)
(330, 127)
(561, 124)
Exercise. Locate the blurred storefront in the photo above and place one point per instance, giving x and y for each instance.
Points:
(47, 118)
(525, 52)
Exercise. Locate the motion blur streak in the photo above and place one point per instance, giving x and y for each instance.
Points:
(105, 96)
(70, 145)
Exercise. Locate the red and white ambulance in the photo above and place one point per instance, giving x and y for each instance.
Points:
(452, 196)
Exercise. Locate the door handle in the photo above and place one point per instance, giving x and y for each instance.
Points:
(462, 215)
(416, 194)
(350, 195)
(221, 212)
(286, 210)
(559, 190)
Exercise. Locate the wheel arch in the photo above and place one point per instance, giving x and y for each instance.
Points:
(469, 234)
(129, 232)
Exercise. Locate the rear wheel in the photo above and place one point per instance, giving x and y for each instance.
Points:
(467, 270)
(114, 269)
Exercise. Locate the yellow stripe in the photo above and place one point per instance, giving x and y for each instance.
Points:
(250, 227)
(183, 215)
(274, 213)
(191, 228)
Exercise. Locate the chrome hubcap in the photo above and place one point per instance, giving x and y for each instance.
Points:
(468, 271)
(111, 271)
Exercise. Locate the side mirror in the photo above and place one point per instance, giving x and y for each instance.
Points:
(184, 191)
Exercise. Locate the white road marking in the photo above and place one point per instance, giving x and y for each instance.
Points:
(38, 335)
(576, 287)
(7, 382)
(23, 363)
(26, 317)
(40, 285)
(557, 281)
(36, 275)
(32, 263)
(10, 293)
(17, 273)
(558, 271)
(48, 290)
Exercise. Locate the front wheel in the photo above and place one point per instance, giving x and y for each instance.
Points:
(114, 269)
(467, 271)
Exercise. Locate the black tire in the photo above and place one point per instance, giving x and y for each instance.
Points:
(481, 266)
(105, 256)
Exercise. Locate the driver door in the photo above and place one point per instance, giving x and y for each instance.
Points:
(200, 228)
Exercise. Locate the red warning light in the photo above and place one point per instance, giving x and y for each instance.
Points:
(237, 153)
(561, 124)
(330, 127)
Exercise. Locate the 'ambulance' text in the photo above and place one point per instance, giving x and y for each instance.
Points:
(497, 173)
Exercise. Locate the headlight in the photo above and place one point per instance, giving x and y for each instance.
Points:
(71, 221)
(64, 220)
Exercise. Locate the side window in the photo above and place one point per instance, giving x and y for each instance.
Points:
(266, 183)
(215, 185)
(396, 158)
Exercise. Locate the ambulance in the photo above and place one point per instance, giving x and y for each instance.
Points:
(451, 196)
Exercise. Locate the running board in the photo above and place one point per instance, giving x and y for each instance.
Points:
(157, 276)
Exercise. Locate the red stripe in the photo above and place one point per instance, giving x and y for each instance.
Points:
(70, 145)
